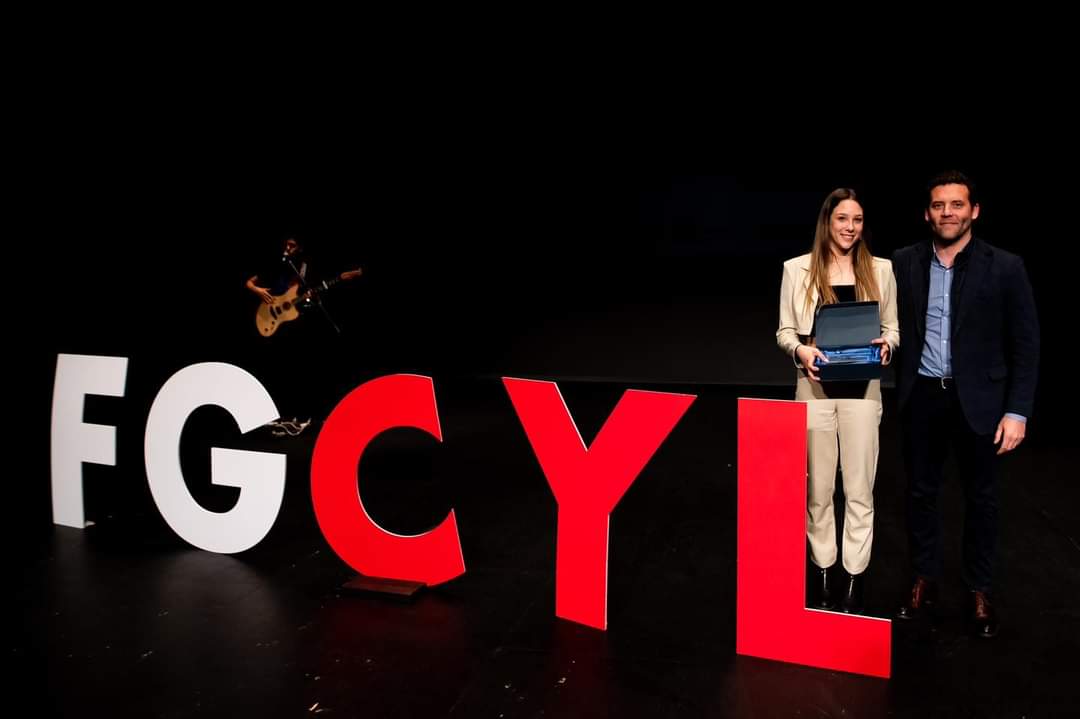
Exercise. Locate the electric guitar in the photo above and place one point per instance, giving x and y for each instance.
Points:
(287, 307)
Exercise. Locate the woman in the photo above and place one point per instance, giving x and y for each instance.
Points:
(842, 417)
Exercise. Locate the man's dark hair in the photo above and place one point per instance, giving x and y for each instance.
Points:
(952, 177)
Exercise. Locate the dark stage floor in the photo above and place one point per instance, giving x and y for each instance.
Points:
(125, 619)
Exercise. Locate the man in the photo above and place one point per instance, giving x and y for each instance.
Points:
(966, 378)
(287, 365)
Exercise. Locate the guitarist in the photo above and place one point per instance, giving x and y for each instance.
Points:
(286, 367)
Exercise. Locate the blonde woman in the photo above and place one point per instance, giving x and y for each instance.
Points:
(842, 417)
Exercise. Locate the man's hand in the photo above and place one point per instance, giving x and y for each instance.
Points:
(1010, 433)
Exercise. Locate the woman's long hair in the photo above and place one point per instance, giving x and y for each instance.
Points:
(866, 287)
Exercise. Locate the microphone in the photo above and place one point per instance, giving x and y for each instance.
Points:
(285, 257)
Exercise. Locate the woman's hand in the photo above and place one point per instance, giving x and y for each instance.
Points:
(806, 355)
(886, 351)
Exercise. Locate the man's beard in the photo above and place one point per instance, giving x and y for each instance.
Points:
(946, 241)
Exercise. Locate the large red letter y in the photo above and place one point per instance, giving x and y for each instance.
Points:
(589, 482)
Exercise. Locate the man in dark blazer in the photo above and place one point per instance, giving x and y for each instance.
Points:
(966, 373)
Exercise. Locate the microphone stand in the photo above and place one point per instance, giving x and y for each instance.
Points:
(314, 298)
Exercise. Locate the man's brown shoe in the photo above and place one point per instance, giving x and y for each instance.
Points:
(984, 621)
(921, 600)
